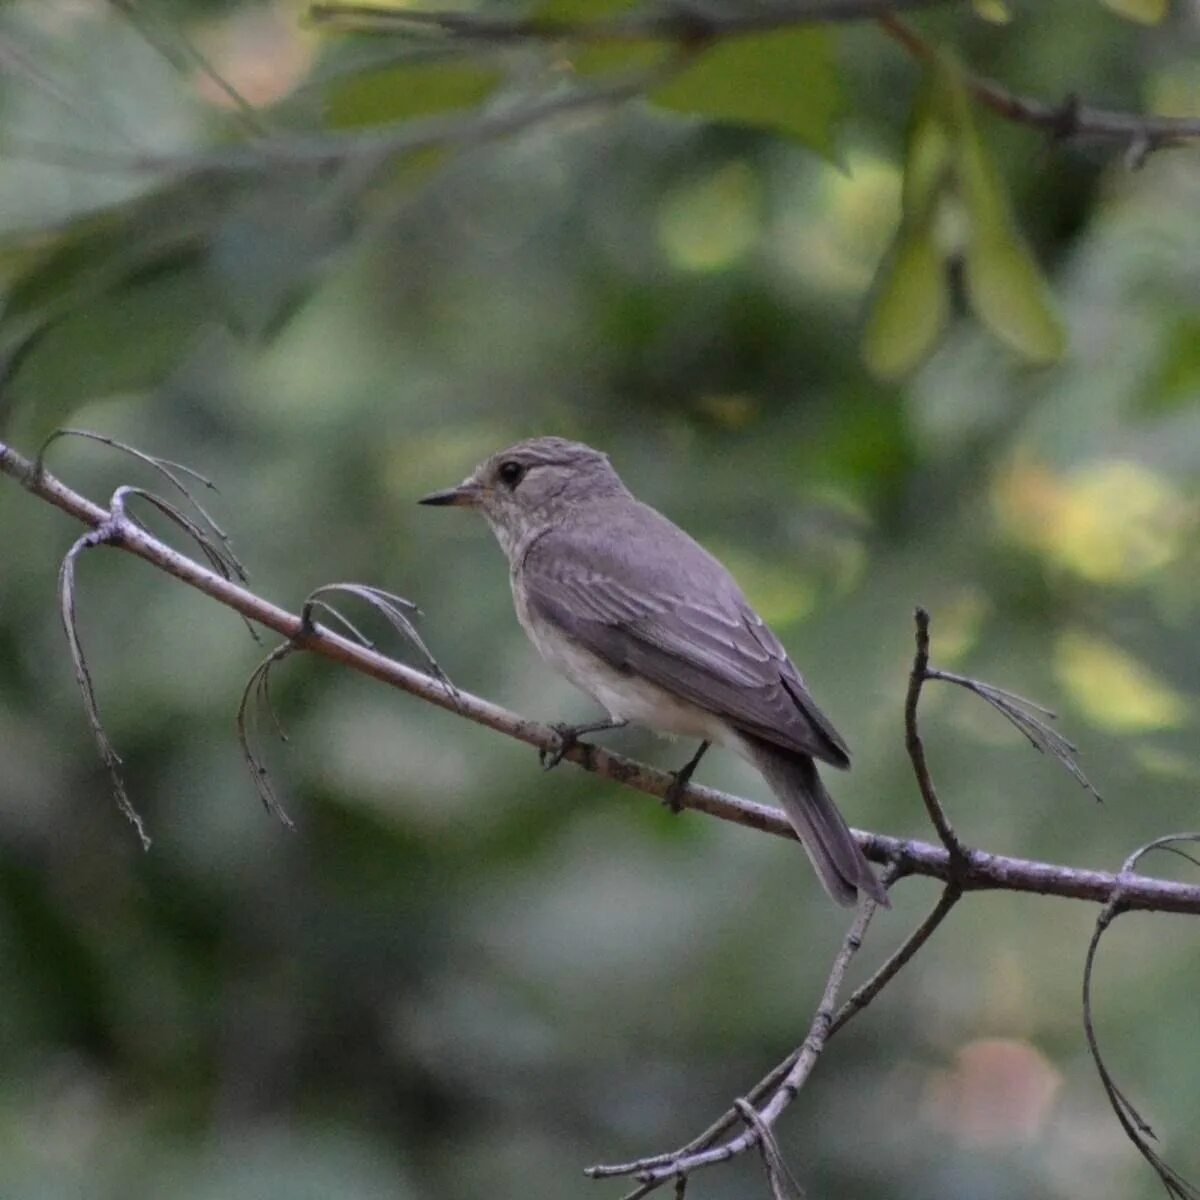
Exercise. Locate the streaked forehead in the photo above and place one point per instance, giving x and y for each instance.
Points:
(541, 450)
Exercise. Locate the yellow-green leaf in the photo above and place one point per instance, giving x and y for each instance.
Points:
(928, 154)
(580, 10)
(1009, 294)
(412, 90)
(995, 12)
(600, 58)
(1145, 12)
(909, 307)
(785, 81)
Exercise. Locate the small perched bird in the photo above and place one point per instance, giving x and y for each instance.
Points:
(641, 617)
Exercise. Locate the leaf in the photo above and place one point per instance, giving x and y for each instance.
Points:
(783, 81)
(910, 305)
(995, 12)
(1009, 294)
(1005, 285)
(928, 153)
(126, 339)
(1144, 12)
(580, 10)
(409, 90)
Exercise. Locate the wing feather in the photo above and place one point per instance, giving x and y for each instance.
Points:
(648, 600)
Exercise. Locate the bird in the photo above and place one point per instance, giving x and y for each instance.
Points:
(643, 619)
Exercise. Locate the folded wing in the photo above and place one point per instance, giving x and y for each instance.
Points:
(648, 600)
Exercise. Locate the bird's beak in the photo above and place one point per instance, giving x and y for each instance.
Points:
(466, 495)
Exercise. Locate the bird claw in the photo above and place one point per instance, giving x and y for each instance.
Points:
(673, 797)
(567, 737)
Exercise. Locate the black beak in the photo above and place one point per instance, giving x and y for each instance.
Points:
(462, 496)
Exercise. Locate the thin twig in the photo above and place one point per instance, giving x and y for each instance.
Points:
(1136, 1127)
(1065, 121)
(900, 957)
(105, 533)
(332, 149)
(959, 856)
(797, 1075)
(911, 856)
(177, 49)
(1041, 736)
(256, 696)
(666, 22)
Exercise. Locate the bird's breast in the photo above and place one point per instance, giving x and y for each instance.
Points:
(624, 695)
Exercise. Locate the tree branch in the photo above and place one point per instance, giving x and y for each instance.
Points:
(677, 22)
(910, 856)
(1070, 119)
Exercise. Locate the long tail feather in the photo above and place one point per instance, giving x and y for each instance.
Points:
(840, 863)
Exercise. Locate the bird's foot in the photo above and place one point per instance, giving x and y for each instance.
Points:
(566, 736)
(673, 797)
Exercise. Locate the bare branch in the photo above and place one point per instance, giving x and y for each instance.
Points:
(1136, 1127)
(178, 50)
(105, 533)
(916, 748)
(1043, 737)
(902, 955)
(1066, 121)
(763, 1121)
(911, 857)
(676, 22)
(169, 470)
(256, 695)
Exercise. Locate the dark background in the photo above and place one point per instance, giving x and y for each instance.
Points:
(460, 976)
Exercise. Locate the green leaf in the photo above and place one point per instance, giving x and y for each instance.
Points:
(995, 12)
(126, 340)
(410, 90)
(928, 153)
(1009, 295)
(909, 308)
(784, 81)
(580, 10)
(1144, 12)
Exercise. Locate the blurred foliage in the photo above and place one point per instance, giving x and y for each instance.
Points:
(461, 976)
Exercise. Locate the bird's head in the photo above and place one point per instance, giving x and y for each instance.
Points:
(531, 485)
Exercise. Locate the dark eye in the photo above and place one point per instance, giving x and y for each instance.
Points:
(511, 473)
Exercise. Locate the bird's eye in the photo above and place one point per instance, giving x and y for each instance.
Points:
(511, 473)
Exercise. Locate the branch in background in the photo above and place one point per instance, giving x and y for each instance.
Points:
(696, 26)
(1140, 135)
(678, 22)
(912, 857)
(376, 145)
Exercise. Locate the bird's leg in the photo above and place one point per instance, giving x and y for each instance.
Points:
(568, 735)
(673, 798)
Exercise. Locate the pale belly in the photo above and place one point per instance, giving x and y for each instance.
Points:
(624, 697)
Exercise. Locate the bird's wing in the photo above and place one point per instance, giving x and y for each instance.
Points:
(648, 600)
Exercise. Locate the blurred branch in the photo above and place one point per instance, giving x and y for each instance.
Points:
(695, 25)
(1141, 135)
(674, 22)
(981, 871)
(378, 145)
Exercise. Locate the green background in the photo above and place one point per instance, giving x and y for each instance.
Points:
(461, 976)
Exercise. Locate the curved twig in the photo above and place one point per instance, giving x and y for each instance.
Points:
(1135, 1125)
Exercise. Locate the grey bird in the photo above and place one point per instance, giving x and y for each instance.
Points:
(644, 620)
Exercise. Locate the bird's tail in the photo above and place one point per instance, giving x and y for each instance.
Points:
(840, 863)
